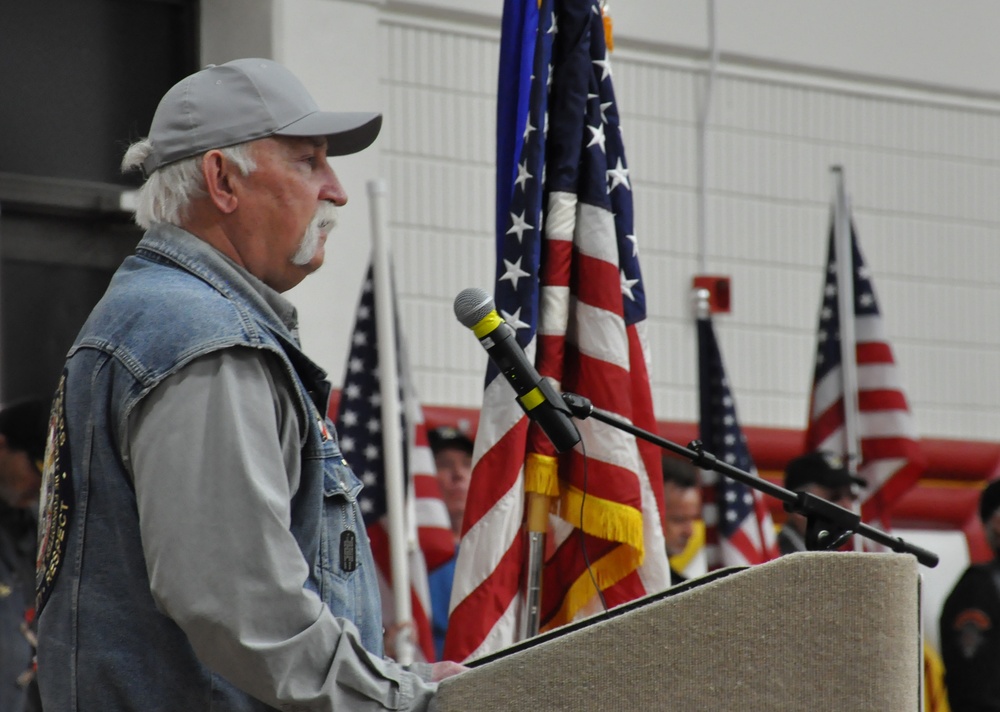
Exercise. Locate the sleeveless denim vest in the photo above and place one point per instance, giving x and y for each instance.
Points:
(103, 645)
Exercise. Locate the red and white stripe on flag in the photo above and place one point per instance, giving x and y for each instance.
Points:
(358, 420)
(435, 544)
(739, 529)
(615, 495)
(891, 457)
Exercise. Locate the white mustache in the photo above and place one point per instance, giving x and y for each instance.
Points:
(325, 218)
(323, 221)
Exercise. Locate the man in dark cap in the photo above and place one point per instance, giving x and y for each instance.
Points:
(823, 475)
(970, 623)
(681, 512)
(23, 425)
(202, 546)
(452, 450)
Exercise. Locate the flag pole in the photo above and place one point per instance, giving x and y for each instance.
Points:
(848, 338)
(392, 436)
(536, 523)
(704, 110)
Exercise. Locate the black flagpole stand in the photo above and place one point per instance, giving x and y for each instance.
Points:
(828, 525)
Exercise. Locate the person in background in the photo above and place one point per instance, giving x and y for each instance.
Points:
(201, 543)
(970, 623)
(681, 513)
(823, 475)
(23, 426)
(453, 463)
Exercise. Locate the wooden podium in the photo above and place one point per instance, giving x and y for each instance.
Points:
(811, 631)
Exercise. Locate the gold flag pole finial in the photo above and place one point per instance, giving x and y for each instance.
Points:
(609, 39)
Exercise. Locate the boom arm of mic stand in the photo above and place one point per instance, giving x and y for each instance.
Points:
(829, 523)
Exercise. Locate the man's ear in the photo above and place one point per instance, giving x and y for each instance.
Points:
(218, 172)
(4, 445)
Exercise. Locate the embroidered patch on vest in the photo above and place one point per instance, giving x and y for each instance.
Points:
(56, 503)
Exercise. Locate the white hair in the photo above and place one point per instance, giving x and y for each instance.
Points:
(167, 193)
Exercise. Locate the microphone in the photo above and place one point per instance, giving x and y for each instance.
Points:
(536, 395)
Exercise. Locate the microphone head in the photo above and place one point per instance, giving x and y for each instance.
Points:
(471, 305)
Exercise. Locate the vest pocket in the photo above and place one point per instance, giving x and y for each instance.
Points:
(343, 533)
(348, 582)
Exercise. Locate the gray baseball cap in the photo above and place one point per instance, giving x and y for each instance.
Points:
(246, 99)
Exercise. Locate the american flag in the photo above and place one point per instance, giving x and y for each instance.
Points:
(359, 425)
(891, 457)
(739, 529)
(568, 281)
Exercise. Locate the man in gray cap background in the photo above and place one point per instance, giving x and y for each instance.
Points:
(201, 546)
(823, 475)
(970, 623)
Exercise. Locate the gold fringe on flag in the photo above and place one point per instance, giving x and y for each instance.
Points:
(541, 474)
(604, 518)
(607, 571)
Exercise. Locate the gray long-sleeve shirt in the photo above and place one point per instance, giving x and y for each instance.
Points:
(221, 558)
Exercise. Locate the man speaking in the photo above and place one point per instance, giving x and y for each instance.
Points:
(201, 545)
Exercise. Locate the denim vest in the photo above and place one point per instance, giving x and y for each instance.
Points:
(103, 645)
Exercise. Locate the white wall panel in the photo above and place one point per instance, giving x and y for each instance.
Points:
(666, 224)
(440, 85)
(924, 186)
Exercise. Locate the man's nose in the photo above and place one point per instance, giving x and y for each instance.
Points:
(332, 189)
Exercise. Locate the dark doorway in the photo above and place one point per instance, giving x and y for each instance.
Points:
(81, 80)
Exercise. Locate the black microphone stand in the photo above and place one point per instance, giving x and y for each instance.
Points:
(828, 525)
